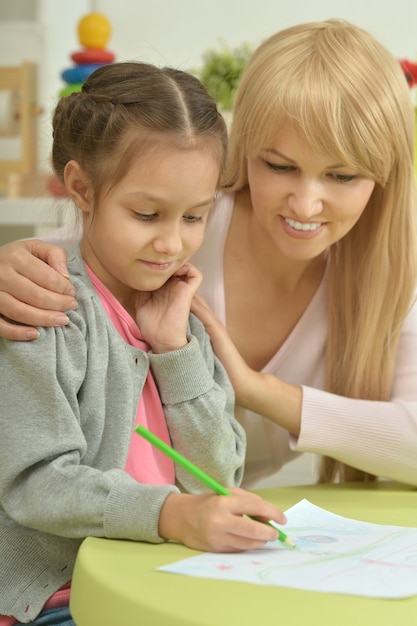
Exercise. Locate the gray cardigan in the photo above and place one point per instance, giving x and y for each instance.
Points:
(68, 405)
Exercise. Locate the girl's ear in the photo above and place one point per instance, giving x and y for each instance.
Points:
(78, 186)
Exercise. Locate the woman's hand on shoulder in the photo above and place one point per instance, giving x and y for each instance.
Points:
(257, 391)
(239, 372)
(34, 288)
(219, 523)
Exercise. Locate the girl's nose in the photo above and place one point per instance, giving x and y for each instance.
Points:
(168, 241)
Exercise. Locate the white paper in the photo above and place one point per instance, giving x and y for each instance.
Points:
(333, 554)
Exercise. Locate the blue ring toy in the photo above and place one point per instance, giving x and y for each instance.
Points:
(79, 73)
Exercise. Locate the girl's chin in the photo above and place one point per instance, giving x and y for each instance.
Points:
(151, 284)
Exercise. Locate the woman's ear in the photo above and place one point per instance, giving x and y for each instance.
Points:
(78, 186)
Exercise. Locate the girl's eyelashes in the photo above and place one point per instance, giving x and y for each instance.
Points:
(149, 217)
(194, 219)
(146, 217)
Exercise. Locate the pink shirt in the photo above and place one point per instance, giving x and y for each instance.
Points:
(144, 462)
(59, 598)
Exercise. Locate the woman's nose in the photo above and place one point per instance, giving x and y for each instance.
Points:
(306, 199)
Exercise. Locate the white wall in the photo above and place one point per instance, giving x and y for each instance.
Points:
(176, 32)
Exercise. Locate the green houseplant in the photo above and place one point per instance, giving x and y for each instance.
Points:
(221, 70)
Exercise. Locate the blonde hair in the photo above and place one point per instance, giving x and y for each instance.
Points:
(347, 95)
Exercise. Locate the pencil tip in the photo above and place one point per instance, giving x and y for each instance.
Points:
(289, 543)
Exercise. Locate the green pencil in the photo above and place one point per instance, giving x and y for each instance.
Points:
(202, 476)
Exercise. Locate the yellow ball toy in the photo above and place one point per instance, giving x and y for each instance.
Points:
(94, 31)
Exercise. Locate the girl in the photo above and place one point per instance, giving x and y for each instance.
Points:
(140, 151)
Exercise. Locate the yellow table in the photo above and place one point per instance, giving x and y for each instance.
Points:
(116, 582)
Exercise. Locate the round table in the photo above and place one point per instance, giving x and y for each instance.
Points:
(116, 582)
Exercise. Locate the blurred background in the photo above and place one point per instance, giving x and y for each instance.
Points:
(168, 32)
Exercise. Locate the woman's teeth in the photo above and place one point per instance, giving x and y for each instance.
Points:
(303, 226)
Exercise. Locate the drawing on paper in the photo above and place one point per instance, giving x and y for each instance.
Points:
(333, 554)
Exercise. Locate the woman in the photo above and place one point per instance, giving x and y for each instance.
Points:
(309, 259)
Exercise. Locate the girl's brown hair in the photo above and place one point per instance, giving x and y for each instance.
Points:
(126, 108)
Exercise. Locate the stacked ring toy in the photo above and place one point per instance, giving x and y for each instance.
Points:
(94, 31)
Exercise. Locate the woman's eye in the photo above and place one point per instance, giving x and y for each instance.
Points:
(276, 167)
(343, 178)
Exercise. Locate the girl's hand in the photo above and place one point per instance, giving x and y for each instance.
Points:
(162, 315)
(219, 523)
(34, 288)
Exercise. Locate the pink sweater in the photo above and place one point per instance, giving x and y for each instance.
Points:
(144, 462)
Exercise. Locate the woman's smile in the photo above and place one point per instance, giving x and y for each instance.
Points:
(302, 230)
